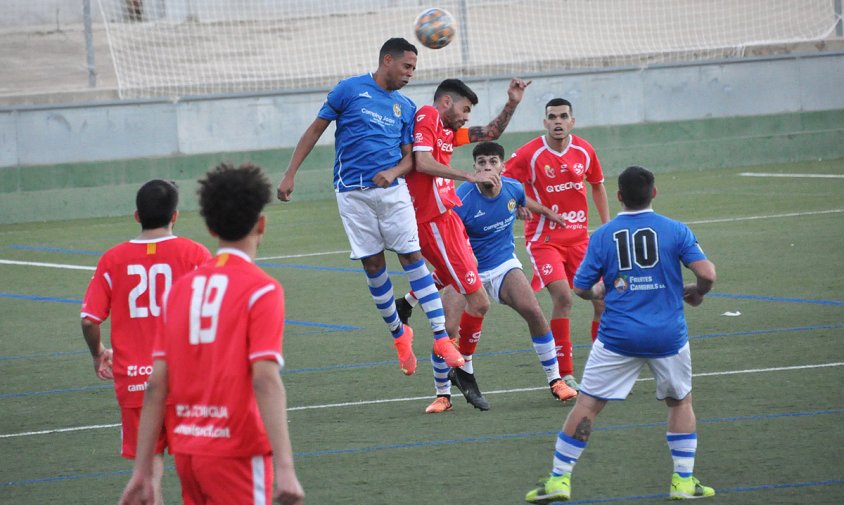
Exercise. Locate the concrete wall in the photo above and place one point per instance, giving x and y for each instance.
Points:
(61, 162)
(125, 130)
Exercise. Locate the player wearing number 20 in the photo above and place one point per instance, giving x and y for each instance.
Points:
(129, 284)
(217, 357)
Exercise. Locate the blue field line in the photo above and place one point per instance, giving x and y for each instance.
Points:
(510, 436)
(35, 298)
(54, 249)
(515, 436)
(777, 299)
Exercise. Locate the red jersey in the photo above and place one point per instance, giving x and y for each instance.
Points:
(557, 180)
(218, 320)
(129, 283)
(431, 195)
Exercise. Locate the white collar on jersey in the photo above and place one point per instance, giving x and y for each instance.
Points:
(236, 252)
(634, 212)
(152, 240)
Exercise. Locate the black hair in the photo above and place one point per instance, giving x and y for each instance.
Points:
(488, 149)
(231, 199)
(636, 185)
(156, 202)
(556, 102)
(396, 47)
(456, 88)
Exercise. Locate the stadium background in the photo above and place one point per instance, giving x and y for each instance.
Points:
(79, 129)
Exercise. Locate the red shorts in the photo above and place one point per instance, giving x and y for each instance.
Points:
(554, 262)
(446, 247)
(130, 418)
(215, 480)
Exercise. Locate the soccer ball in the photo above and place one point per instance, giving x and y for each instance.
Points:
(434, 28)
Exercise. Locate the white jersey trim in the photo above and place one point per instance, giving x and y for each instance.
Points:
(277, 357)
(259, 293)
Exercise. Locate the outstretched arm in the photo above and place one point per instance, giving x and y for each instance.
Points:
(537, 208)
(704, 271)
(303, 149)
(426, 163)
(496, 127)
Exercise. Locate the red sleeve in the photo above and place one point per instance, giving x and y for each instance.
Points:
(202, 255)
(97, 302)
(425, 129)
(461, 137)
(266, 323)
(594, 174)
(517, 167)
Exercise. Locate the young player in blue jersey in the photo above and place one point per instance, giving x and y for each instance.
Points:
(373, 142)
(633, 264)
(488, 212)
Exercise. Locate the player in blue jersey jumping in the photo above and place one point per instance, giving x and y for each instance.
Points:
(633, 264)
(488, 212)
(373, 142)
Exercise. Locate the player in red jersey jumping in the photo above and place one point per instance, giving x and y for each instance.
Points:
(438, 129)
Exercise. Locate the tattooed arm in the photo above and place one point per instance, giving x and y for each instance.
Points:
(496, 127)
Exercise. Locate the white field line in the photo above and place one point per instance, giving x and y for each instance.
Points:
(48, 265)
(421, 398)
(796, 176)
(326, 253)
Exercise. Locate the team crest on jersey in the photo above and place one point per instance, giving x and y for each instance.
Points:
(397, 110)
(579, 168)
(547, 269)
(471, 278)
(549, 171)
(511, 205)
(620, 284)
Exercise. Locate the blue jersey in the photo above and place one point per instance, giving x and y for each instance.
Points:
(372, 125)
(639, 256)
(489, 221)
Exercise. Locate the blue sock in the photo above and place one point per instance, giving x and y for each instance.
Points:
(426, 292)
(441, 382)
(567, 451)
(381, 290)
(683, 448)
(547, 353)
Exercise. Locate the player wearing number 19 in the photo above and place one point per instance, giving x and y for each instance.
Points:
(129, 285)
(633, 263)
(217, 358)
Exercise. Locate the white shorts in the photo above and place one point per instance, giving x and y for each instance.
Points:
(377, 219)
(610, 376)
(492, 279)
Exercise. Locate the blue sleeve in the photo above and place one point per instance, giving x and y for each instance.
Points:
(335, 103)
(408, 117)
(690, 250)
(591, 269)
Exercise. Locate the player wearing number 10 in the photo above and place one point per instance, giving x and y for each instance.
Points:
(217, 361)
(633, 263)
(129, 284)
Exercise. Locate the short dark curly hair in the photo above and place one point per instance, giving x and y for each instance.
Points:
(231, 199)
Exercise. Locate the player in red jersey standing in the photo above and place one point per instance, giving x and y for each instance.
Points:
(217, 359)
(129, 284)
(555, 169)
(438, 129)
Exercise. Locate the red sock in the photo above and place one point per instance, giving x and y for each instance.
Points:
(470, 333)
(562, 341)
(595, 325)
